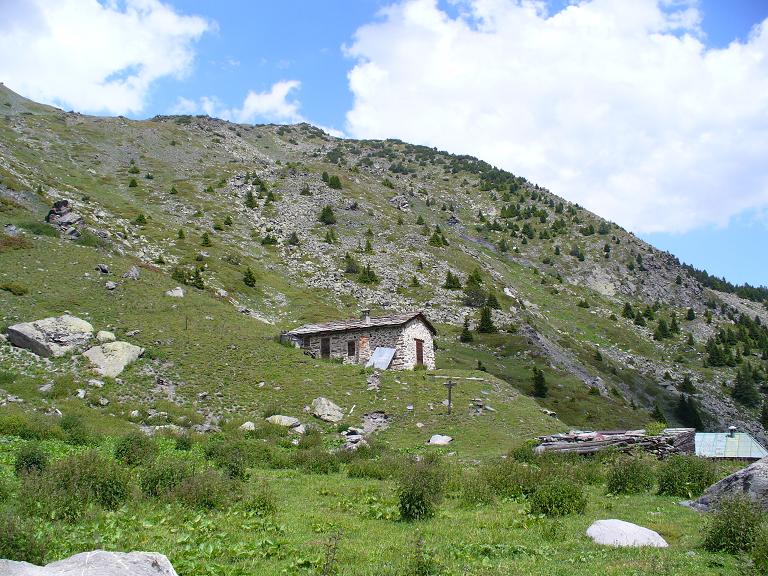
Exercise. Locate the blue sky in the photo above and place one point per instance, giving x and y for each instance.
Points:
(642, 111)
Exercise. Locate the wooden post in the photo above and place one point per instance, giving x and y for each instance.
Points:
(449, 384)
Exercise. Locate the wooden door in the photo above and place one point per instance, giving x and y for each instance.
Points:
(325, 347)
(419, 352)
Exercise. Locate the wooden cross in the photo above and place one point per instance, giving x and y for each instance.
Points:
(449, 384)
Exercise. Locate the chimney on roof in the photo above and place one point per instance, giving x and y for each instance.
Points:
(732, 431)
(365, 315)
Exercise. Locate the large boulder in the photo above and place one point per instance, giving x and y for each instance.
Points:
(287, 421)
(66, 219)
(96, 563)
(110, 359)
(326, 410)
(439, 440)
(622, 534)
(55, 336)
(751, 482)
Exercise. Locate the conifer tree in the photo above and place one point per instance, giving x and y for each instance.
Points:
(764, 414)
(415, 282)
(181, 234)
(367, 276)
(540, 389)
(466, 335)
(420, 220)
(248, 278)
(688, 413)
(662, 330)
(690, 341)
(250, 200)
(452, 281)
(293, 239)
(228, 220)
(492, 301)
(368, 246)
(486, 325)
(436, 240)
(628, 312)
(197, 279)
(691, 315)
(687, 385)
(674, 328)
(350, 264)
(206, 240)
(334, 182)
(744, 389)
(327, 216)
(640, 319)
(658, 415)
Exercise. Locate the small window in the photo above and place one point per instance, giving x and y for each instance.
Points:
(351, 348)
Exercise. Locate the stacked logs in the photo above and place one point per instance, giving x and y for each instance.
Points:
(670, 441)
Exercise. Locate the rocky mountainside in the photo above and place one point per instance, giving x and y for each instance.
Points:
(327, 226)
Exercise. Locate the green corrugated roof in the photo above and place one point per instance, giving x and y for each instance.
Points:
(722, 445)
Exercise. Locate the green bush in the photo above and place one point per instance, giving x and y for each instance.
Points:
(18, 540)
(509, 478)
(734, 527)
(14, 288)
(29, 426)
(164, 476)
(524, 452)
(231, 455)
(312, 438)
(476, 490)
(266, 430)
(184, 442)
(685, 476)
(558, 497)
(759, 552)
(77, 432)
(420, 489)
(260, 499)
(630, 476)
(30, 459)
(316, 461)
(208, 490)
(135, 449)
(377, 469)
(71, 486)
(40, 229)
(6, 489)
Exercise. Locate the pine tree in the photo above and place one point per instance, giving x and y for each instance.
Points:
(466, 335)
(181, 234)
(206, 240)
(228, 220)
(325, 177)
(662, 330)
(293, 239)
(658, 415)
(628, 312)
(690, 341)
(140, 220)
(764, 414)
(197, 279)
(436, 240)
(415, 282)
(327, 216)
(350, 264)
(250, 200)
(133, 183)
(330, 236)
(687, 385)
(492, 301)
(452, 281)
(688, 413)
(744, 389)
(486, 325)
(540, 389)
(640, 320)
(367, 276)
(674, 328)
(248, 278)
(334, 182)
(420, 220)
(691, 315)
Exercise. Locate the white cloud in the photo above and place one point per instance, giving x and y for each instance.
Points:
(92, 56)
(274, 105)
(615, 104)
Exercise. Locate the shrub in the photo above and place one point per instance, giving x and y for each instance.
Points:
(14, 288)
(30, 458)
(524, 452)
(71, 485)
(77, 433)
(759, 552)
(685, 476)
(207, 490)
(476, 490)
(6, 489)
(183, 442)
(164, 476)
(420, 489)
(327, 216)
(261, 500)
(316, 461)
(734, 526)
(29, 426)
(18, 540)
(558, 497)
(135, 449)
(232, 456)
(312, 438)
(630, 476)
(378, 469)
(267, 430)
(40, 229)
(510, 479)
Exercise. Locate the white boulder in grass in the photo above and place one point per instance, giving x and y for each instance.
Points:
(55, 336)
(287, 421)
(177, 292)
(624, 534)
(326, 410)
(96, 563)
(110, 359)
(439, 440)
(104, 336)
(248, 426)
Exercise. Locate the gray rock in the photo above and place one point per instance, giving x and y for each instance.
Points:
(45, 388)
(103, 401)
(96, 563)
(751, 482)
(439, 440)
(110, 285)
(110, 359)
(248, 426)
(326, 410)
(104, 336)
(51, 336)
(620, 533)
(103, 268)
(132, 274)
(287, 421)
(177, 292)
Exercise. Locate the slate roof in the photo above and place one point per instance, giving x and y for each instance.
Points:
(358, 324)
(722, 445)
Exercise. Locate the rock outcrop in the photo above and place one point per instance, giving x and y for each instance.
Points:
(751, 482)
(110, 359)
(96, 563)
(623, 534)
(55, 336)
(287, 421)
(326, 410)
(63, 217)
